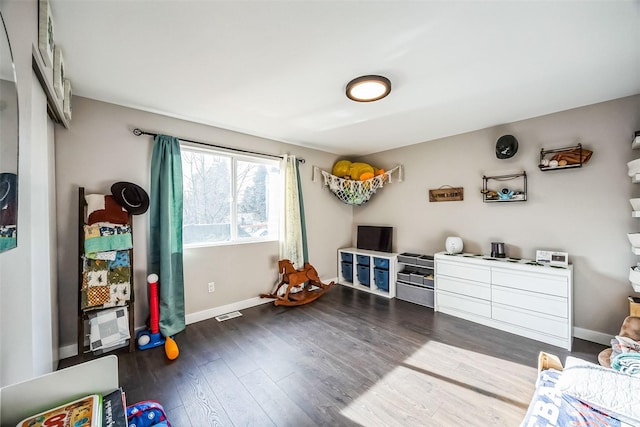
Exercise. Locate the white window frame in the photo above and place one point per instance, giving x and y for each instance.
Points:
(235, 157)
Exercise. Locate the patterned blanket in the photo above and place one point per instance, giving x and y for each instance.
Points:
(550, 407)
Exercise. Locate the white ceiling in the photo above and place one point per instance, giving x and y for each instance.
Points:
(278, 69)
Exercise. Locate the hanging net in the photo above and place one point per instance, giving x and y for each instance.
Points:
(355, 192)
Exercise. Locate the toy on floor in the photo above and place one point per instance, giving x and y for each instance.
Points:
(150, 338)
(171, 349)
(284, 292)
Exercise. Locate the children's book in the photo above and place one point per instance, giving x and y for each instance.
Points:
(114, 413)
(84, 412)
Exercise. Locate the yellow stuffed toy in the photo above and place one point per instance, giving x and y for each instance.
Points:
(357, 171)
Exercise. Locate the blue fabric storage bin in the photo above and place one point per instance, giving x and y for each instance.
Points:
(347, 271)
(346, 256)
(363, 275)
(381, 277)
(381, 263)
(363, 259)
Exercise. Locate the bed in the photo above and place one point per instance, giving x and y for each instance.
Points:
(583, 394)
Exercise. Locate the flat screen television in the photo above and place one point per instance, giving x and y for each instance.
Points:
(375, 238)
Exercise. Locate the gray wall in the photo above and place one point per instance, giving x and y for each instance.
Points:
(584, 211)
(100, 149)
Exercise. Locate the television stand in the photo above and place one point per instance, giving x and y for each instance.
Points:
(369, 271)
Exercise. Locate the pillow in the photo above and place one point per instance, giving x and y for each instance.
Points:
(609, 391)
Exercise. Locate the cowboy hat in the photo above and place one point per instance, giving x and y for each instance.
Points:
(130, 196)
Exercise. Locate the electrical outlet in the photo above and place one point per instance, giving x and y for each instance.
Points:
(212, 286)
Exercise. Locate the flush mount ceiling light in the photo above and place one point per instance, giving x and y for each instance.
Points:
(368, 88)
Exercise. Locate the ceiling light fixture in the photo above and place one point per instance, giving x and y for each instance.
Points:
(368, 88)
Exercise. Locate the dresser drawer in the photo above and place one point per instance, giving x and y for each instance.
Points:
(464, 287)
(541, 303)
(476, 273)
(545, 324)
(461, 303)
(556, 285)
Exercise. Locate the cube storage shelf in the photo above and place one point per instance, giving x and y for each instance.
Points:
(369, 271)
(416, 279)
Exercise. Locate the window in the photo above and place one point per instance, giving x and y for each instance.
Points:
(229, 198)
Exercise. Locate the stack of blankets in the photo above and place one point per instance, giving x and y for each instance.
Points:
(625, 356)
(106, 276)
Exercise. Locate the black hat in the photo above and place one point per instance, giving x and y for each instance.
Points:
(506, 146)
(131, 197)
(8, 187)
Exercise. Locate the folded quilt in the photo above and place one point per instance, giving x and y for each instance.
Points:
(108, 328)
(104, 208)
(106, 283)
(103, 237)
(628, 363)
(95, 297)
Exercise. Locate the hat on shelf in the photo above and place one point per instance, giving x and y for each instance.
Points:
(506, 146)
(130, 196)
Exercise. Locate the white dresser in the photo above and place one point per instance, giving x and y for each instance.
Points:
(513, 295)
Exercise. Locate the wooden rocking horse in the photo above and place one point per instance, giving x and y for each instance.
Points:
(292, 278)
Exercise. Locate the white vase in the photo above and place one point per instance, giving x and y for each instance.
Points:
(453, 245)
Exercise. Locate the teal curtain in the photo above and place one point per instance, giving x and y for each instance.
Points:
(303, 224)
(165, 237)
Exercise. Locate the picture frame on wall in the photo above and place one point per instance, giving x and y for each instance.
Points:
(67, 99)
(58, 72)
(46, 43)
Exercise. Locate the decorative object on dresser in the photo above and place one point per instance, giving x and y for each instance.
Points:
(453, 245)
(515, 295)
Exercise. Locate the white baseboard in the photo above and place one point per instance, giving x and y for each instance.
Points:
(67, 351)
(217, 311)
(593, 336)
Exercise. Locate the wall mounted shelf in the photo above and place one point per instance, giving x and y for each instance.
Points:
(504, 193)
(44, 74)
(548, 157)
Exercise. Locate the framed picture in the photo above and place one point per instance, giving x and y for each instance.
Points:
(46, 42)
(67, 99)
(58, 72)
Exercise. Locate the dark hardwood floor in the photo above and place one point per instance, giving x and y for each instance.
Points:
(347, 359)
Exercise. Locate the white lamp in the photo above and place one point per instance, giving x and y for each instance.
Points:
(453, 245)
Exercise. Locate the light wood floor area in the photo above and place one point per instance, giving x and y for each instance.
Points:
(347, 359)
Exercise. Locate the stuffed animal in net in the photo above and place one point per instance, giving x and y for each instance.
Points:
(355, 170)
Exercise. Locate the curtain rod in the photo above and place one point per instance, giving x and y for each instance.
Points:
(139, 132)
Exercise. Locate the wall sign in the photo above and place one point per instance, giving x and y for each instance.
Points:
(446, 193)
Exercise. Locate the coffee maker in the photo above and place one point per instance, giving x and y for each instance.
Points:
(497, 250)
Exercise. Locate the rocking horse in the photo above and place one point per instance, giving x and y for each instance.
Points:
(292, 278)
